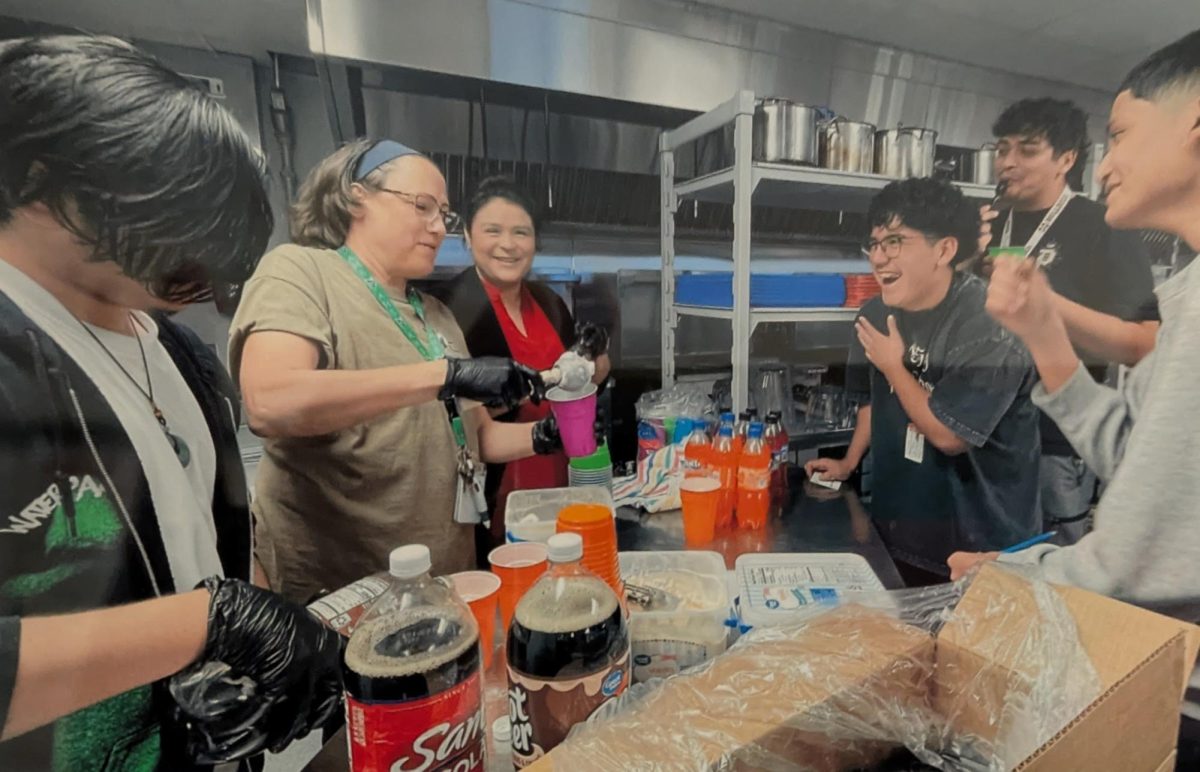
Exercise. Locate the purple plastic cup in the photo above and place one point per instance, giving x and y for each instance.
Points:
(576, 415)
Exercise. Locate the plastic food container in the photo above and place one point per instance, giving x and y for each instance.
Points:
(665, 642)
(531, 515)
(772, 587)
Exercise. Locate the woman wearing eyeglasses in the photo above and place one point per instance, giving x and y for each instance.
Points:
(374, 430)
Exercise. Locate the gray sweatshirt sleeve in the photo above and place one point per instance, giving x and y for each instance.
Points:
(1146, 440)
(1095, 418)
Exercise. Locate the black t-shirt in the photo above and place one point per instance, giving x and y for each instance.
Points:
(1093, 265)
(979, 377)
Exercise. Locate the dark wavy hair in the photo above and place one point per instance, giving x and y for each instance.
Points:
(1060, 121)
(506, 188)
(1175, 65)
(933, 207)
(133, 159)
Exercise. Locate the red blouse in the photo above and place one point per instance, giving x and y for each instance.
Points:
(538, 347)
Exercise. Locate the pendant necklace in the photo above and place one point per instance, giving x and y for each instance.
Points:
(178, 444)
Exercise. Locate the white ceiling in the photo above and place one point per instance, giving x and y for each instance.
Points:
(1084, 42)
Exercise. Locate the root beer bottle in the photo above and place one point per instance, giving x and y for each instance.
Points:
(568, 652)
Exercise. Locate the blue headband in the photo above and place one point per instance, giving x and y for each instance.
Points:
(380, 153)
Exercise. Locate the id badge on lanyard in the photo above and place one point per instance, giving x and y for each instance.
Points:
(1043, 227)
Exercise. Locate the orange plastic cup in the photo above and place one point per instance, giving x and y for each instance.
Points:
(481, 591)
(596, 525)
(518, 565)
(701, 497)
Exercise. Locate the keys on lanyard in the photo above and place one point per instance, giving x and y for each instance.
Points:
(471, 474)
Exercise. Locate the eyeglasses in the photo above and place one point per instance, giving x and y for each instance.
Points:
(891, 246)
(428, 209)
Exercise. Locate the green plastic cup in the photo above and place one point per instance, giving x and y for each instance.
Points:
(598, 460)
(1014, 253)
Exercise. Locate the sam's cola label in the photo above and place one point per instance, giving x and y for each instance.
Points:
(542, 711)
(443, 733)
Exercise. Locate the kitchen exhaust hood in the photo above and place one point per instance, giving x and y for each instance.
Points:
(653, 52)
(588, 93)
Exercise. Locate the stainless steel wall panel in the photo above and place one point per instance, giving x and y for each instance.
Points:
(678, 55)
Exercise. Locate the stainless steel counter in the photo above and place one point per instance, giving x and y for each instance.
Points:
(813, 520)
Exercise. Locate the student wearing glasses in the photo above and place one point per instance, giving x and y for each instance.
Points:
(945, 391)
(373, 414)
(1100, 275)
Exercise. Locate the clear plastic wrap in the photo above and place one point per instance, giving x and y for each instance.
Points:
(964, 676)
(681, 400)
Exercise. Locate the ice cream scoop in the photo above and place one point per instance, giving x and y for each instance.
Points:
(572, 372)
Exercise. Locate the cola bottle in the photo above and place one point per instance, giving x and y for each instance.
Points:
(414, 697)
(568, 652)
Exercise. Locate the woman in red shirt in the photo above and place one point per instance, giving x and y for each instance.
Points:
(502, 313)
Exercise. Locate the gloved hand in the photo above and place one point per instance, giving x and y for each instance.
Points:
(494, 381)
(591, 341)
(270, 673)
(547, 440)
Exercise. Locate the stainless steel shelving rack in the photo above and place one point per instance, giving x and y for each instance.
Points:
(746, 183)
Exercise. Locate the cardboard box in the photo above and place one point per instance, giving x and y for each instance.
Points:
(767, 700)
(1142, 660)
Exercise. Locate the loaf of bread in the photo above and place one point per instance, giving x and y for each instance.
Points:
(838, 693)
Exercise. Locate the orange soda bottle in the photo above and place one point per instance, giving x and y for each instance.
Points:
(754, 480)
(725, 466)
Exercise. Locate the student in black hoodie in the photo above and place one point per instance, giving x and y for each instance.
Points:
(126, 194)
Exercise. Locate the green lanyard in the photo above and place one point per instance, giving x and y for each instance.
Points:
(435, 349)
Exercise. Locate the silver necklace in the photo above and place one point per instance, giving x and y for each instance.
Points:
(178, 444)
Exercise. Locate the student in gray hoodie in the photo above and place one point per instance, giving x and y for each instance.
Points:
(1144, 438)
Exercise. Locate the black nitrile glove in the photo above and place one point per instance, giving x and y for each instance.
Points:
(494, 381)
(591, 341)
(547, 440)
(270, 673)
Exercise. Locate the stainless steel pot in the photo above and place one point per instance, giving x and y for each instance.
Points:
(905, 152)
(983, 169)
(785, 131)
(848, 146)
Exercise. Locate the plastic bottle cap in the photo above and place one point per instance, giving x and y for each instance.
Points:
(565, 547)
(409, 561)
(502, 730)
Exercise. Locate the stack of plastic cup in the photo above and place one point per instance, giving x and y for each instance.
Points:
(593, 469)
(576, 415)
(598, 528)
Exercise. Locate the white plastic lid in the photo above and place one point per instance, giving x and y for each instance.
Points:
(409, 561)
(565, 547)
(502, 730)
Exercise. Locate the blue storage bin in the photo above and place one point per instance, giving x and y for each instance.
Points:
(806, 290)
